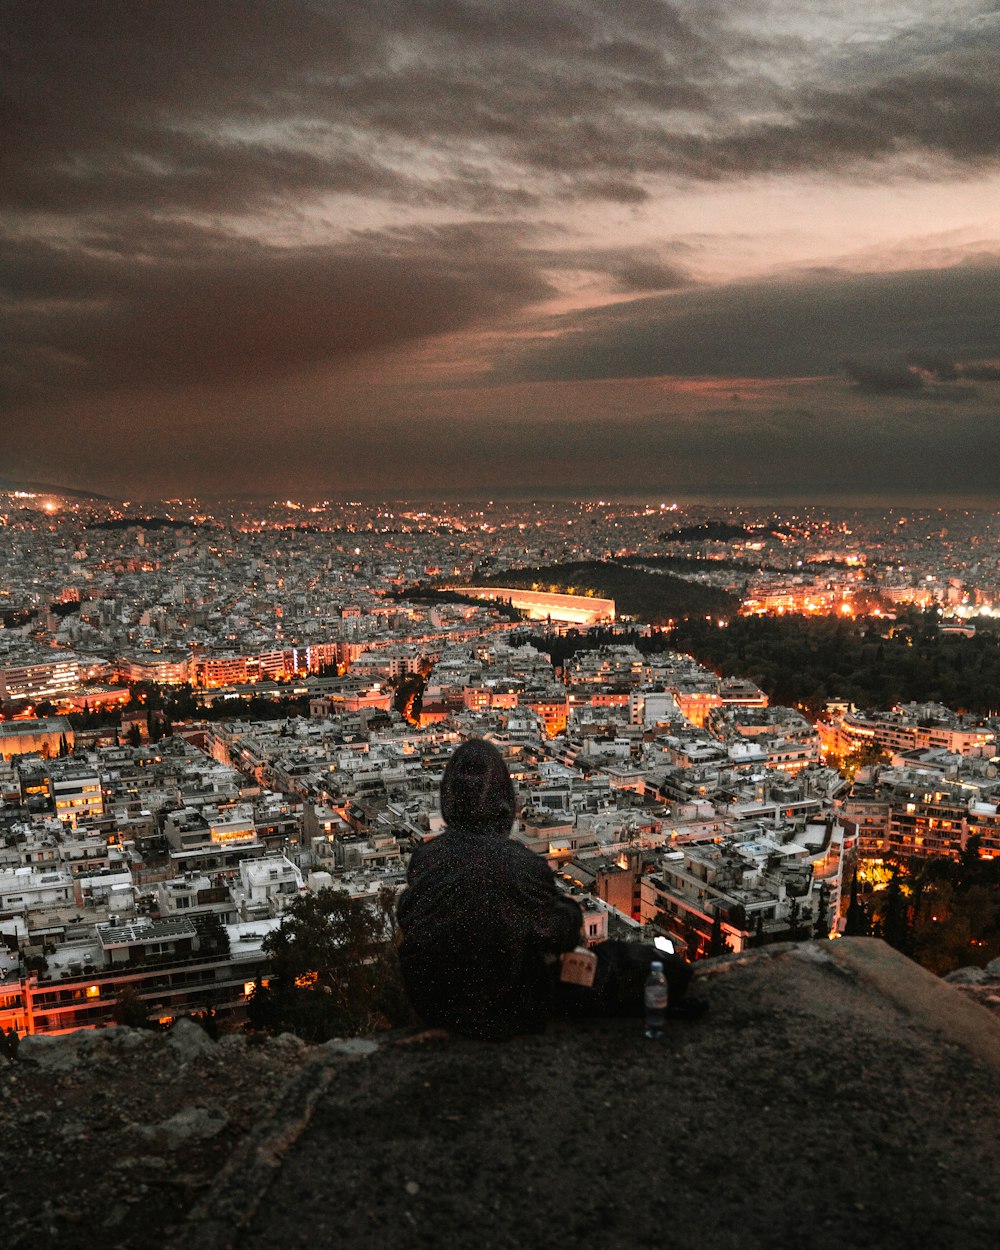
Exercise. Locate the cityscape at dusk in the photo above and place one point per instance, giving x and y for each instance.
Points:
(499, 529)
(467, 249)
(660, 676)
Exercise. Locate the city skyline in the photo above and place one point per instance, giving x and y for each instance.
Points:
(470, 249)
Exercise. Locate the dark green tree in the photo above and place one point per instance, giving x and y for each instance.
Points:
(409, 695)
(822, 926)
(795, 927)
(212, 934)
(208, 1020)
(131, 1009)
(895, 916)
(333, 969)
(856, 920)
(956, 912)
(972, 868)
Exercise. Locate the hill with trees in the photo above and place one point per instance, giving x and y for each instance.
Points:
(808, 660)
(715, 531)
(426, 594)
(801, 659)
(651, 597)
(942, 912)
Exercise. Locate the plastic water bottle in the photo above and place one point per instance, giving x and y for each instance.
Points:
(655, 994)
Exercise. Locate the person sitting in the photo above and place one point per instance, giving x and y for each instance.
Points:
(481, 913)
(483, 923)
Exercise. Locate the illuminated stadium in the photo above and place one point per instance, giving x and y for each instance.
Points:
(573, 609)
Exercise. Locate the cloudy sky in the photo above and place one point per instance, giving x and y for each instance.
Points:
(676, 247)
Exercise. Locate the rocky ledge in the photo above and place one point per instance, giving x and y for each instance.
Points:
(981, 985)
(834, 1094)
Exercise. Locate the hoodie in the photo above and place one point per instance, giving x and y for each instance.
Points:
(479, 917)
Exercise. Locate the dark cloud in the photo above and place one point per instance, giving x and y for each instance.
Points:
(164, 161)
(630, 438)
(794, 328)
(951, 114)
(936, 365)
(638, 273)
(883, 377)
(164, 302)
(214, 105)
(980, 372)
(931, 374)
(631, 270)
(807, 451)
(209, 308)
(211, 104)
(122, 102)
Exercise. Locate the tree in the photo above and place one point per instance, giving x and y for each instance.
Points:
(131, 1009)
(822, 925)
(408, 698)
(717, 944)
(213, 934)
(971, 865)
(856, 921)
(333, 969)
(867, 755)
(895, 926)
(943, 912)
(956, 912)
(208, 1020)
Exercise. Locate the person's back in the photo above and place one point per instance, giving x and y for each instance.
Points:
(481, 912)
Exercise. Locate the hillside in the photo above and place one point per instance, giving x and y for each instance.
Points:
(800, 659)
(651, 597)
(834, 1093)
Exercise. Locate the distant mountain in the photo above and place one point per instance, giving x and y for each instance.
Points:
(47, 488)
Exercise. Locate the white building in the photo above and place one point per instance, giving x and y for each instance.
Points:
(24, 889)
(267, 886)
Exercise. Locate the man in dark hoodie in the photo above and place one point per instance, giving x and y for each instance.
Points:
(481, 917)
(483, 923)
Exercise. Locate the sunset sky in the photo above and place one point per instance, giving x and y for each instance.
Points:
(743, 250)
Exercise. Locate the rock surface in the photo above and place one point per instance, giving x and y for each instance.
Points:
(981, 985)
(835, 1095)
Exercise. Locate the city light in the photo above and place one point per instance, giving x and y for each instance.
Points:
(185, 703)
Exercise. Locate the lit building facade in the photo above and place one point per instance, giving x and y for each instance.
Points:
(540, 606)
(44, 735)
